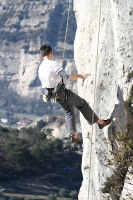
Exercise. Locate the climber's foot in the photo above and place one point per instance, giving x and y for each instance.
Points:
(105, 123)
(75, 139)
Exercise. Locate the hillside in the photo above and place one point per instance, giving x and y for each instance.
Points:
(24, 27)
(35, 163)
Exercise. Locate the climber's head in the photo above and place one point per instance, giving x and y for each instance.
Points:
(46, 51)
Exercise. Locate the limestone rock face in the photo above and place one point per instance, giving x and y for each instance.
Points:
(103, 48)
(24, 27)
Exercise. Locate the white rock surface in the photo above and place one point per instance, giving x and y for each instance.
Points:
(127, 192)
(108, 87)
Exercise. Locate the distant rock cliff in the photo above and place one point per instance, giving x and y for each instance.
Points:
(109, 89)
(24, 27)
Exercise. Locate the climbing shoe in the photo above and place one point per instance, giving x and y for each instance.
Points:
(75, 139)
(106, 122)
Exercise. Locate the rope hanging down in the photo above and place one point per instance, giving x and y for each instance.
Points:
(64, 48)
(98, 36)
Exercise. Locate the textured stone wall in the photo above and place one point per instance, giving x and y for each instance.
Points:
(108, 87)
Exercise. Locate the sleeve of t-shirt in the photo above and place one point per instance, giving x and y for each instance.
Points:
(61, 72)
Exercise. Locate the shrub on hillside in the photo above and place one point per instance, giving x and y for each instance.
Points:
(74, 194)
(62, 192)
(52, 197)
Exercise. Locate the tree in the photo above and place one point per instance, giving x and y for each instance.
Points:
(57, 144)
(40, 124)
(17, 154)
(74, 194)
(36, 137)
(52, 197)
(62, 192)
(4, 129)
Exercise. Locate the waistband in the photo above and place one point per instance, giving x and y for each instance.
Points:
(49, 89)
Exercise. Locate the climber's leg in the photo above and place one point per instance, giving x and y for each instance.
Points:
(69, 116)
(70, 121)
(82, 106)
(85, 109)
(74, 100)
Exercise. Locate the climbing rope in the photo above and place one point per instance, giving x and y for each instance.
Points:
(98, 36)
(64, 48)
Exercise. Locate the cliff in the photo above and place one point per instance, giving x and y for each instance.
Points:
(24, 27)
(104, 48)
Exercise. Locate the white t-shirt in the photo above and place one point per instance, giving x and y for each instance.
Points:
(48, 73)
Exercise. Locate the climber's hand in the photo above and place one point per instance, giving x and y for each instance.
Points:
(84, 76)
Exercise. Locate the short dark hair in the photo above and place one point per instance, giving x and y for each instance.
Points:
(45, 50)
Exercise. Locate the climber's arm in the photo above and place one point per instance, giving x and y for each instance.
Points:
(77, 76)
(63, 74)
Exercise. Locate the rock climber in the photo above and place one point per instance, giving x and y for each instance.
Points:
(50, 74)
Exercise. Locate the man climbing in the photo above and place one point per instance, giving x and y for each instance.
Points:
(50, 75)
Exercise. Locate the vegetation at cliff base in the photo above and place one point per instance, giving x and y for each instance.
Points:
(30, 152)
(31, 156)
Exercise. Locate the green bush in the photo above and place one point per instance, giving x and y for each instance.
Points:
(62, 192)
(122, 160)
(52, 197)
(40, 124)
(74, 194)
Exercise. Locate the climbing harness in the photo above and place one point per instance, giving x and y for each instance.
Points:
(59, 92)
(47, 94)
(52, 94)
(98, 35)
